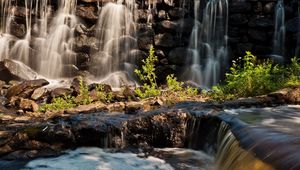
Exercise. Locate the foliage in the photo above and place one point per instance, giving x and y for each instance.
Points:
(176, 90)
(251, 78)
(59, 103)
(102, 95)
(294, 72)
(84, 93)
(148, 76)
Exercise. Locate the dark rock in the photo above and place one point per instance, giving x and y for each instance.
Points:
(257, 35)
(70, 70)
(75, 85)
(258, 7)
(145, 42)
(142, 16)
(26, 88)
(180, 56)
(240, 7)
(13, 70)
(243, 47)
(167, 26)
(164, 40)
(162, 15)
(238, 19)
(86, 44)
(269, 8)
(136, 56)
(261, 22)
(177, 13)
(61, 92)
(293, 25)
(18, 30)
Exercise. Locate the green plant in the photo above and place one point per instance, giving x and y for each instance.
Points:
(148, 76)
(59, 103)
(102, 95)
(84, 94)
(251, 78)
(176, 90)
(294, 72)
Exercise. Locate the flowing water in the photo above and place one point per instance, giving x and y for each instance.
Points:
(116, 33)
(279, 34)
(209, 43)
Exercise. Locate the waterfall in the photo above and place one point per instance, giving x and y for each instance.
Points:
(231, 156)
(209, 43)
(279, 34)
(58, 40)
(116, 29)
(5, 19)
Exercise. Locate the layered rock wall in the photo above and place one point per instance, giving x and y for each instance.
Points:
(168, 29)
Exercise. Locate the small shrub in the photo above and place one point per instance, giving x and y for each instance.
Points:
(176, 91)
(60, 103)
(148, 76)
(102, 95)
(84, 94)
(251, 78)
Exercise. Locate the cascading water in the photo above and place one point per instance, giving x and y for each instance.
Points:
(58, 40)
(116, 29)
(5, 18)
(208, 43)
(279, 34)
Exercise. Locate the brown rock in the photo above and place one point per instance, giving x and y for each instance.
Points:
(38, 93)
(60, 92)
(28, 105)
(26, 88)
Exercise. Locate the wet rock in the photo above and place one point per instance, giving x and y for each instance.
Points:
(90, 108)
(162, 15)
(167, 26)
(145, 41)
(18, 30)
(136, 56)
(164, 40)
(86, 44)
(269, 8)
(105, 87)
(180, 56)
(129, 93)
(177, 13)
(88, 13)
(142, 16)
(14, 70)
(26, 88)
(61, 92)
(70, 70)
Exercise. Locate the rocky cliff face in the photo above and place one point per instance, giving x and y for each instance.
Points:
(167, 25)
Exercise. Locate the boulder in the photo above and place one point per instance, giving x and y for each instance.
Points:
(26, 88)
(238, 19)
(164, 40)
(15, 70)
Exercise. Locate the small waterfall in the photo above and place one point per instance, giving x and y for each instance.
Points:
(209, 43)
(58, 40)
(116, 29)
(231, 156)
(279, 34)
(5, 19)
